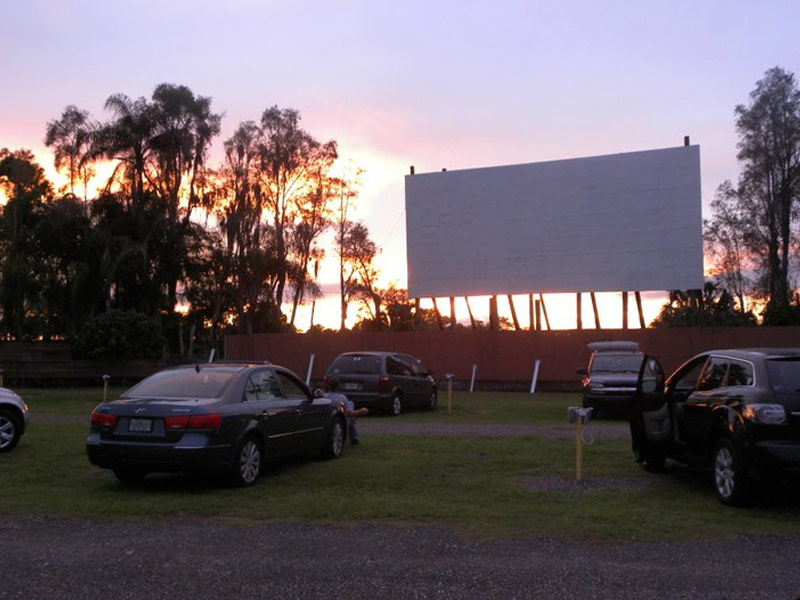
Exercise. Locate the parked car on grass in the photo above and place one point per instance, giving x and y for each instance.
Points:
(14, 418)
(213, 417)
(736, 412)
(388, 381)
(609, 380)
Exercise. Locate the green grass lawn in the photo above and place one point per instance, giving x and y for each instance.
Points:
(487, 487)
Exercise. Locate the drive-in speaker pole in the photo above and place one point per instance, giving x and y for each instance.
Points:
(579, 416)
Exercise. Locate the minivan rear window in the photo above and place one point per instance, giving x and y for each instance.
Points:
(784, 374)
(357, 364)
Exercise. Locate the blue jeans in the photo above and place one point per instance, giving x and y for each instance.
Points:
(352, 432)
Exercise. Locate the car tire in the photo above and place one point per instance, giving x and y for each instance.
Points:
(731, 483)
(433, 401)
(335, 443)
(247, 462)
(129, 474)
(396, 404)
(10, 430)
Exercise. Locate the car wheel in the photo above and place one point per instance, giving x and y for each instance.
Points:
(247, 465)
(10, 430)
(730, 481)
(433, 400)
(396, 405)
(335, 443)
(129, 474)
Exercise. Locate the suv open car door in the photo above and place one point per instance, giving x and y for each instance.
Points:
(650, 422)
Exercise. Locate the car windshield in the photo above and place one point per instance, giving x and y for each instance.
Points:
(617, 362)
(183, 383)
(362, 364)
(784, 374)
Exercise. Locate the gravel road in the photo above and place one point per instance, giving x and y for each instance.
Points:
(67, 558)
(204, 560)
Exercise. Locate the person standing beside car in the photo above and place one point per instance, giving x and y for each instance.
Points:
(350, 410)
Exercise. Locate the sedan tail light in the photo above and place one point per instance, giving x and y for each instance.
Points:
(101, 419)
(210, 421)
(384, 384)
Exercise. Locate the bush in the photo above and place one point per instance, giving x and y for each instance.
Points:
(118, 335)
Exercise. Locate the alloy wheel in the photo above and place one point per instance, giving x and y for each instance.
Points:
(724, 473)
(8, 433)
(249, 462)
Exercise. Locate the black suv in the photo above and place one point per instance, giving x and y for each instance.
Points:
(609, 382)
(734, 411)
(387, 381)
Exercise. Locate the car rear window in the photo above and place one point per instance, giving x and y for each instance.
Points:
(357, 364)
(784, 374)
(183, 383)
(617, 362)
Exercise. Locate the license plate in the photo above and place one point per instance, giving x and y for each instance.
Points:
(141, 425)
(351, 386)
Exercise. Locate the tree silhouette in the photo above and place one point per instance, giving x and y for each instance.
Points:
(71, 138)
(769, 150)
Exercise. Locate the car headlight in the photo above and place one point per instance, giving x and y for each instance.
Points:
(768, 414)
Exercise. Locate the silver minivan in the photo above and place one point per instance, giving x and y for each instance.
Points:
(388, 381)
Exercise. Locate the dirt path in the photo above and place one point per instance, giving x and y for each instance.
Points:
(397, 426)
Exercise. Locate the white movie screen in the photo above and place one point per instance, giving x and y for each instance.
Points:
(622, 222)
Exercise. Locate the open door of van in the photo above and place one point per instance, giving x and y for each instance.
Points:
(651, 426)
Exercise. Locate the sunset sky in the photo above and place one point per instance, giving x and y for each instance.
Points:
(430, 84)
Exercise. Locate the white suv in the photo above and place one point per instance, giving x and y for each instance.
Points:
(13, 419)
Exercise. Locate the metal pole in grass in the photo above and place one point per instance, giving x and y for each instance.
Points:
(449, 377)
(310, 367)
(535, 375)
(579, 450)
(105, 387)
(472, 381)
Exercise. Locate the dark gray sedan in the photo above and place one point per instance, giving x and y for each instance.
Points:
(213, 417)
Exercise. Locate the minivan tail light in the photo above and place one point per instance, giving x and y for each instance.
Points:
(384, 384)
(101, 419)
